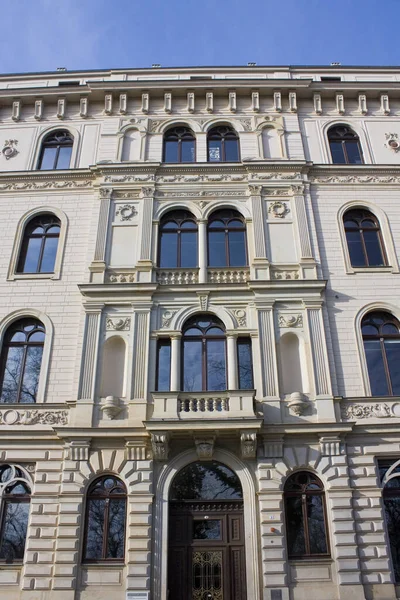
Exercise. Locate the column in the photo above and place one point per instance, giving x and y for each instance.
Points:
(147, 220)
(268, 355)
(99, 262)
(202, 232)
(176, 363)
(261, 264)
(140, 364)
(307, 259)
(90, 350)
(232, 362)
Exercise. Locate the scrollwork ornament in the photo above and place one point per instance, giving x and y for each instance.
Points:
(126, 212)
(33, 417)
(354, 412)
(122, 324)
(290, 320)
(240, 316)
(9, 150)
(278, 209)
(392, 142)
(166, 318)
(106, 192)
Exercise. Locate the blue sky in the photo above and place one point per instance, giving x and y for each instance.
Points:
(41, 35)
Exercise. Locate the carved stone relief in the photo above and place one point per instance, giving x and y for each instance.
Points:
(285, 275)
(278, 209)
(167, 317)
(392, 142)
(290, 320)
(159, 444)
(353, 412)
(9, 149)
(126, 212)
(248, 444)
(33, 417)
(121, 324)
(121, 277)
(205, 448)
(44, 185)
(240, 316)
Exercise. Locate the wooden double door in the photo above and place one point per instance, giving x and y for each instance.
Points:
(206, 558)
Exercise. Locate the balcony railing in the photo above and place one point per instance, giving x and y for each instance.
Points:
(177, 276)
(228, 275)
(203, 405)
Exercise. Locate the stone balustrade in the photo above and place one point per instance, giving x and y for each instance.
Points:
(203, 405)
(177, 276)
(228, 275)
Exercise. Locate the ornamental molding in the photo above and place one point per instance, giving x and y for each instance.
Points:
(200, 193)
(136, 450)
(126, 212)
(160, 446)
(127, 195)
(203, 301)
(295, 274)
(240, 316)
(9, 149)
(122, 324)
(166, 318)
(298, 404)
(276, 191)
(354, 412)
(105, 192)
(205, 448)
(392, 142)
(77, 450)
(111, 407)
(273, 175)
(278, 209)
(355, 179)
(290, 320)
(248, 444)
(33, 417)
(44, 185)
(121, 277)
(331, 445)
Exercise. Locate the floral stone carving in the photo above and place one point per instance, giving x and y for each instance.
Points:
(290, 320)
(9, 150)
(118, 324)
(353, 412)
(126, 212)
(278, 209)
(33, 417)
(205, 448)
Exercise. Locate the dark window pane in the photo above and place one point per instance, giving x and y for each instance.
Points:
(216, 365)
(231, 150)
(210, 481)
(49, 255)
(209, 529)
(32, 256)
(390, 329)
(369, 330)
(48, 158)
(357, 257)
(171, 151)
(216, 249)
(316, 525)
(189, 249)
(214, 151)
(373, 247)
(164, 367)
(245, 366)
(216, 225)
(12, 374)
(15, 525)
(237, 249)
(30, 380)
(392, 510)
(350, 224)
(368, 224)
(353, 153)
(295, 526)
(189, 225)
(337, 153)
(392, 348)
(169, 250)
(376, 369)
(64, 158)
(116, 529)
(192, 366)
(187, 150)
(95, 529)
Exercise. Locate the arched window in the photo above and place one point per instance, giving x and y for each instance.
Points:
(381, 337)
(345, 146)
(39, 245)
(21, 359)
(204, 354)
(178, 240)
(305, 516)
(391, 501)
(364, 239)
(223, 144)
(56, 150)
(179, 145)
(105, 520)
(15, 500)
(227, 239)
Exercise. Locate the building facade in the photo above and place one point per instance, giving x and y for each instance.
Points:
(200, 334)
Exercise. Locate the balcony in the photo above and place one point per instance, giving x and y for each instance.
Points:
(177, 276)
(228, 275)
(225, 407)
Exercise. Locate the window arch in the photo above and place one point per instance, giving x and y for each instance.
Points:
(223, 144)
(227, 239)
(364, 239)
(345, 146)
(204, 354)
(56, 150)
(14, 514)
(21, 360)
(39, 245)
(305, 509)
(178, 240)
(381, 338)
(105, 520)
(179, 145)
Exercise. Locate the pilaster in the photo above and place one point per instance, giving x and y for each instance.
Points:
(260, 261)
(145, 263)
(90, 350)
(98, 265)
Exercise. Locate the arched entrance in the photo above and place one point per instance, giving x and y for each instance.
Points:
(206, 558)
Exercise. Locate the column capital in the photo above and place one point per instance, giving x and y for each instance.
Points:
(255, 190)
(176, 335)
(93, 308)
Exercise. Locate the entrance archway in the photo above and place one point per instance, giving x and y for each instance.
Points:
(206, 555)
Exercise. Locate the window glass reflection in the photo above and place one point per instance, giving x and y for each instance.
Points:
(206, 481)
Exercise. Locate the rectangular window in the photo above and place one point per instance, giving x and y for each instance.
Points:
(163, 366)
(245, 364)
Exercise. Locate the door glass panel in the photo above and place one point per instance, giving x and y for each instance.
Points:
(211, 481)
(392, 348)
(168, 250)
(164, 367)
(32, 255)
(231, 150)
(187, 150)
(207, 575)
(64, 158)
(12, 374)
(353, 153)
(49, 255)
(171, 151)
(207, 529)
(30, 380)
(237, 249)
(48, 158)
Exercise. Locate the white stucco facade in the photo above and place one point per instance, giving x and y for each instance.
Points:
(107, 305)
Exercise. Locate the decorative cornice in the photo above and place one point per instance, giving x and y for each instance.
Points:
(27, 181)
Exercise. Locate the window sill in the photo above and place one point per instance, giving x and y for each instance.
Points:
(116, 564)
(22, 276)
(309, 559)
(385, 269)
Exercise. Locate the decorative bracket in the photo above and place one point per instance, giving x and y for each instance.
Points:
(205, 447)
(331, 445)
(111, 407)
(78, 450)
(248, 444)
(160, 446)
